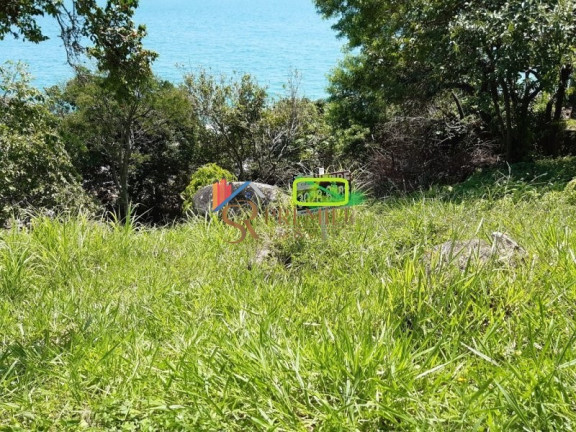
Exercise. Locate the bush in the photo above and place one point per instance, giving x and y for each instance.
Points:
(204, 176)
(36, 174)
(414, 152)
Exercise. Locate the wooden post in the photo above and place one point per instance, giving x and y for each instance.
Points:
(323, 214)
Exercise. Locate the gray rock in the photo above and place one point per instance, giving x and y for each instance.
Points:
(260, 193)
(263, 254)
(501, 249)
(266, 251)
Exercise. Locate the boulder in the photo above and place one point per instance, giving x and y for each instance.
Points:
(500, 249)
(570, 186)
(260, 193)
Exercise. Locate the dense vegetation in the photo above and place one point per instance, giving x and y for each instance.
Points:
(427, 94)
(497, 60)
(143, 150)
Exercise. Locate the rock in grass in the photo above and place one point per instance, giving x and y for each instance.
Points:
(501, 249)
(263, 254)
(266, 251)
(261, 193)
(280, 248)
(570, 186)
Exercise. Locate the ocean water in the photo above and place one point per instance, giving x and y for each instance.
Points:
(269, 39)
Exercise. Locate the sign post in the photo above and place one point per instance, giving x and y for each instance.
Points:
(323, 217)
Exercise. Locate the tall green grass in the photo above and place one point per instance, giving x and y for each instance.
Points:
(110, 326)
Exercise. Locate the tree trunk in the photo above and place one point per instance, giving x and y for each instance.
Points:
(509, 144)
(549, 106)
(522, 127)
(458, 105)
(565, 73)
(127, 144)
(552, 135)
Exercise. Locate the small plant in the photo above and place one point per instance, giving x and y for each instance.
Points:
(204, 176)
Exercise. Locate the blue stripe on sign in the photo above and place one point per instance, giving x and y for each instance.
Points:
(231, 197)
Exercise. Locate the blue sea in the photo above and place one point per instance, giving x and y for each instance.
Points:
(269, 39)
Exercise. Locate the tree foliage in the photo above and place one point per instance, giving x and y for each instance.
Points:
(230, 112)
(109, 28)
(35, 169)
(257, 138)
(161, 130)
(117, 46)
(498, 56)
(18, 18)
(204, 176)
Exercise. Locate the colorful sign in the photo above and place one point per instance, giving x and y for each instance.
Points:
(320, 192)
(222, 193)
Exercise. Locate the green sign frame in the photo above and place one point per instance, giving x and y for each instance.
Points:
(323, 188)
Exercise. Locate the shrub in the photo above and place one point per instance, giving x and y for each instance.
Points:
(414, 152)
(36, 174)
(204, 176)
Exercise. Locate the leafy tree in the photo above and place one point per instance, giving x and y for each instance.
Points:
(498, 56)
(21, 106)
(118, 51)
(154, 169)
(258, 139)
(230, 111)
(293, 136)
(127, 76)
(118, 48)
(35, 169)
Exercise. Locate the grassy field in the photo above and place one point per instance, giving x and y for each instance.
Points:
(118, 327)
